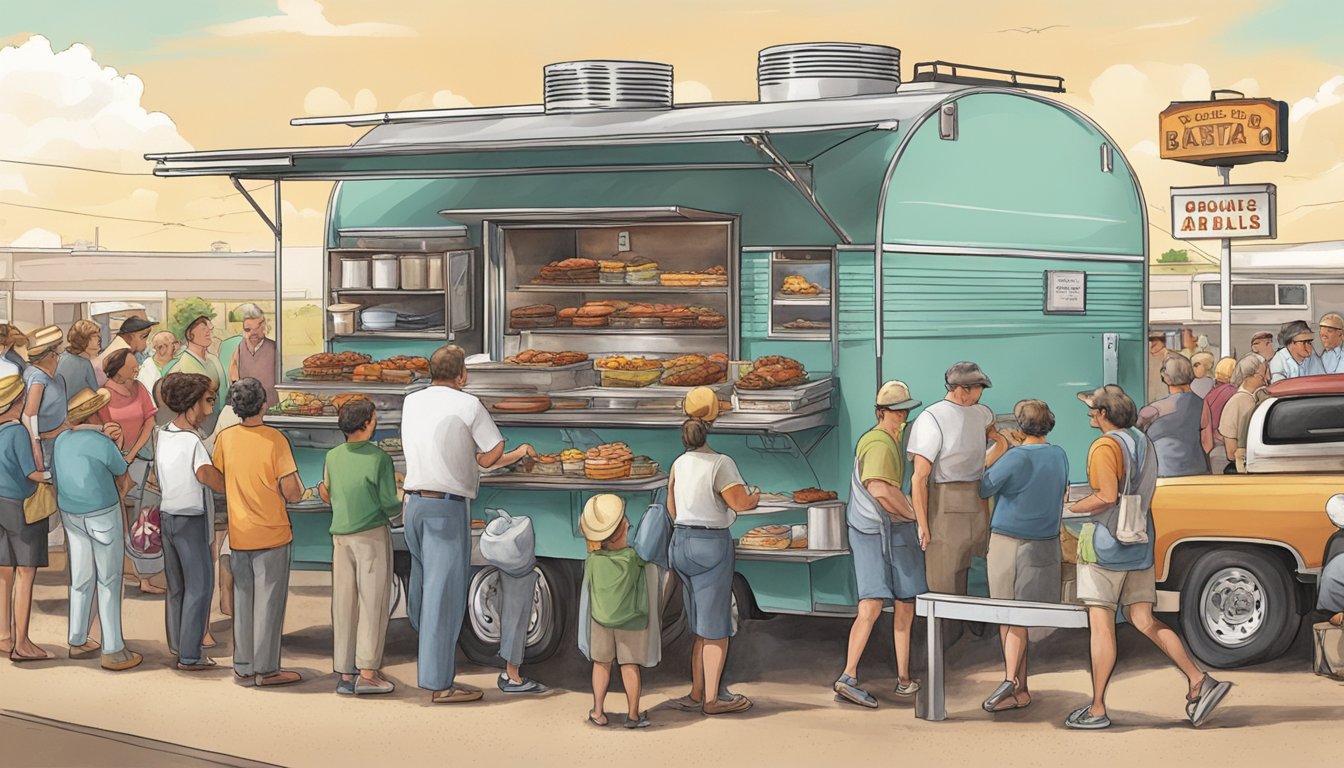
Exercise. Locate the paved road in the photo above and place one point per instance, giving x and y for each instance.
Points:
(785, 664)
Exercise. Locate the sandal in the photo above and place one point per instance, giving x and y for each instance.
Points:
(641, 722)
(738, 703)
(597, 722)
(456, 695)
(1002, 699)
(19, 658)
(847, 689)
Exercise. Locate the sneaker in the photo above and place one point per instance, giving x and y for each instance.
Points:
(907, 689)
(526, 685)
(345, 687)
(1082, 719)
(121, 660)
(201, 665)
(366, 687)
(1211, 692)
(847, 689)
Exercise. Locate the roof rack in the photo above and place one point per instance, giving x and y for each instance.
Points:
(968, 74)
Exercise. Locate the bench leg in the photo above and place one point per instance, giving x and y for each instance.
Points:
(936, 705)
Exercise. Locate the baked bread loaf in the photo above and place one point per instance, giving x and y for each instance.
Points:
(368, 372)
(813, 495)
(766, 537)
(541, 358)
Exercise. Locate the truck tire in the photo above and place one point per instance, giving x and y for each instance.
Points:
(553, 612)
(1238, 607)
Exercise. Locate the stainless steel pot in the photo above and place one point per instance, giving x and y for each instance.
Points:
(826, 526)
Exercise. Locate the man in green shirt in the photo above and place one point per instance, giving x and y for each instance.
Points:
(363, 503)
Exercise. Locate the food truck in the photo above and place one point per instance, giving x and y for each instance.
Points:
(598, 254)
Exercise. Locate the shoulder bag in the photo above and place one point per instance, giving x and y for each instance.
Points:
(42, 503)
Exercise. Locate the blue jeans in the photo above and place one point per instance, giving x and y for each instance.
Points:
(94, 547)
(438, 534)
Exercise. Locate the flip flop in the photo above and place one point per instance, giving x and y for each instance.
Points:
(687, 704)
(1004, 693)
(1083, 719)
(18, 658)
(456, 695)
(595, 721)
(737, 704)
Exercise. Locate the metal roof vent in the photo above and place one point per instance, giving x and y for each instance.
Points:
(827, 71)
(589, 86)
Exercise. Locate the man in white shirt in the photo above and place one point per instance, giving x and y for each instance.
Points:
(447, 437)
(947, 444)
(1297, 356)
(1331, 329)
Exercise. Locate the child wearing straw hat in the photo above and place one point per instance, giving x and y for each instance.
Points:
(620, 629)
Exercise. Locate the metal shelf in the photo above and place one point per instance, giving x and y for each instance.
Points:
(385, 418)
(748, 423)
(790, 555)
(390, 291)
(353, 387)
(603, 329)
(612, 288)
(431, 335)
(532, 482)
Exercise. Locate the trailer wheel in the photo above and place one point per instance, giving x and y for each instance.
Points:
(1238, 607)
(551, 608)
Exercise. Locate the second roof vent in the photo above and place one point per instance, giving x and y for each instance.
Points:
(588, 86)
(827, 71)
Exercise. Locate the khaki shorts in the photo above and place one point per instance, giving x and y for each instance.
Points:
(1023, 569)
(623, 646)
(1104, 588)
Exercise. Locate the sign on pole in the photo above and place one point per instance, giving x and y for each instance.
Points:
(1233, 212)
(1224, 132)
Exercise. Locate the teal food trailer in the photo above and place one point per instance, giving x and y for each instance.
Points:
(964, 215)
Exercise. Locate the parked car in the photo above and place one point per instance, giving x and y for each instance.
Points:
(1244, 551)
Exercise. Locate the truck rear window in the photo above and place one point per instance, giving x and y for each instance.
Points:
(1305, 420)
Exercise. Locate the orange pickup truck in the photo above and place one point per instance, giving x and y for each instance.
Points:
(1243, 552)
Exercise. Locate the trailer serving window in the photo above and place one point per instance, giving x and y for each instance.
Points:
(1257, 295)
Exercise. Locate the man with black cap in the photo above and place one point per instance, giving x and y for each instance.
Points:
(947, 444)
(133, 335)
(1157, 357)
(1297, 356)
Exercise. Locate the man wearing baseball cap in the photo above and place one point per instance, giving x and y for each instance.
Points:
(947, 444)
(1297, 356)
(1331, 330)
(133, 335)
(1262, 344)
(884, 536)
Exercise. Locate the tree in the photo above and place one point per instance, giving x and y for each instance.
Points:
(186, 310)
(1174, 256)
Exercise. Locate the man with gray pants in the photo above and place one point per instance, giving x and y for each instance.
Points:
(260, 476)
(447, 437)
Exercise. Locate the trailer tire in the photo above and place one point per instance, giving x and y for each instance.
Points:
(1238, 607)
(552, 615)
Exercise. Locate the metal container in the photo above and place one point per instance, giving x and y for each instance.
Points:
(434, 281)
(826, 526)
(505, 376)
(355, 271)
(414, 272)
(385, 272)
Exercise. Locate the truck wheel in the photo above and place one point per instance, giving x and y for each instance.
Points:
(545, 629)
(1238, 607)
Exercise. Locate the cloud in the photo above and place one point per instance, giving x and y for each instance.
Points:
(327, 101)
(444, 99)
(690, 92)
(1167, 24)
(292, 212)
(37, 238)
(1146, 147)
(1327, 95)
(306, 17)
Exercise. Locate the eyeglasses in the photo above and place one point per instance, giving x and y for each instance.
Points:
(1301, 341)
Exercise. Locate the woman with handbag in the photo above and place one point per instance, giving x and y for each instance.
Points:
(23, 526)
(130, 406)
(705, 493)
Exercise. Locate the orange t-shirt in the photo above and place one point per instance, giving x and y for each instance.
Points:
(253, 459)
(1105, 467)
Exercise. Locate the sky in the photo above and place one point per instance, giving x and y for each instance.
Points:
(97, 84)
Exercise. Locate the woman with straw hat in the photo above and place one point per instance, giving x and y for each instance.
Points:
(705, 492)
(91, 511)
(44, 408)
(23, 545)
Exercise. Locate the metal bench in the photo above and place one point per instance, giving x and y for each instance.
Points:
(936, 607)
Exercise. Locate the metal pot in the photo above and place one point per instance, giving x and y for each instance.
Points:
(355, 271)
(414, 272)
(385, 272)
(435, 281)
(826, 527)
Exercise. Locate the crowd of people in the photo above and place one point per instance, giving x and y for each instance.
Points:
(82, 429)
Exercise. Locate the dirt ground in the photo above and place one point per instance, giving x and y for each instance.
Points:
(785, 664)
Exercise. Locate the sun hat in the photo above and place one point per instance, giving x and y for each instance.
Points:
(43, 340)
(895, 396)
(85, 403)
(702, 403)
(601, 515)
(11, 389)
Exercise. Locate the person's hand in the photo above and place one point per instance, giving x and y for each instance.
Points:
(925, 539)
(528, 450)
(112, 430)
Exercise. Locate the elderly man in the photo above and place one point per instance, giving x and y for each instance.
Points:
(1203, 363)
(133, 335)
(1248, 377)
(1158, 353)
(1298, 357)
(1262, 344)
(947, 444)
(448, 438)
(165, 346)
(1113, 575)
(1331, 359)
(255, 356)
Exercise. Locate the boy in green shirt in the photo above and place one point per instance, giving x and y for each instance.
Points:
(363, 502)
(618, 601)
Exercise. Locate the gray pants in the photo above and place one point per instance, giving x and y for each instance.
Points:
(438, 534)
(515, 612)
(260, 588)
(191, 580)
